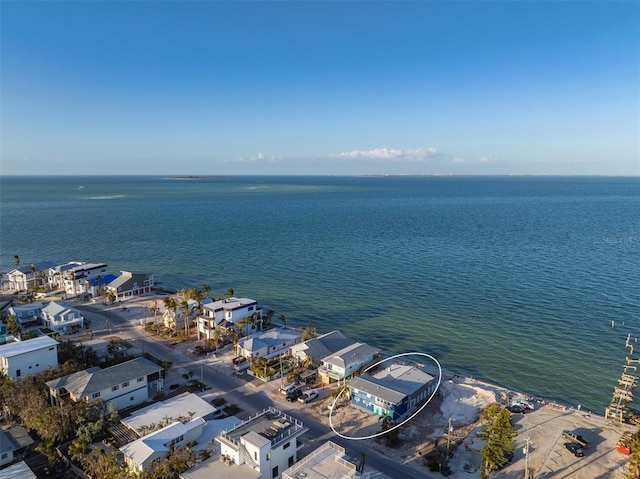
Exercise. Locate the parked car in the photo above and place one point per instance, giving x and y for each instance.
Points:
(575, 449)
(524, 403)
(294, 394)
(516, 408)
(308, 396)
(238, 360)
(576, 438)
(287, 388)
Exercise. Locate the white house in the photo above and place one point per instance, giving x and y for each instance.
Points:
(93, 285)
(55, 274)
(267, 443)
(175, 319)
(26, 314)
(123, 385)
(141, 453)
(60, 317)
(270, 343)
(130, 284)
(75, 278)
(22, 358)
(29, 276)
(225, 312)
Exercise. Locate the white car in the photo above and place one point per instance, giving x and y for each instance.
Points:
(308, 396)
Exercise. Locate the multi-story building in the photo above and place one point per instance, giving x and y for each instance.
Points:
(60, 317)
(123, 385)
(22, 358)
(226, 312)
(346, 362)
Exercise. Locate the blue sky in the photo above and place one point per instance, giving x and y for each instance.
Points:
(320, 87)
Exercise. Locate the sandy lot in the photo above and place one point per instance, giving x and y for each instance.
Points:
(462, 400)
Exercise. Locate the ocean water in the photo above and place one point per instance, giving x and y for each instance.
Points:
(513, 280)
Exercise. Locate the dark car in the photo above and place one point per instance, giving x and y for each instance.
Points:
(294, 394)
(516, 408)
(577, 438)
(574, 448)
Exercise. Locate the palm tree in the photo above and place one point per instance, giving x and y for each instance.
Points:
(217, 336)
(185, 314)
(32, 267)
(283, 318)
(42, 275)
(154, 309)
(16, 260)
(171, 304)
(205, 289)
(230, 293)
(110, 297)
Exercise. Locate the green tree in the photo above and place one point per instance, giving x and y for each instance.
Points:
(283, 318)
(269, 316)
(16, 260)
(230, 293)
(206, 289)
(310, 331)
(32, 267)
(185, 315)
(171, 304)
(633, 468)
(12, 325)
(172, 466)
(498, 433)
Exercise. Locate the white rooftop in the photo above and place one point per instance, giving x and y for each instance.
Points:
(179, 405)
(20, 470)
(326, 462)
(21, 347)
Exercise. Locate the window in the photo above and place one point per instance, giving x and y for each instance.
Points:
(255, 455)
(18, 373)
(37, 364)
(95, 395)
(286, 445)
(274, 472)
(140, 379)
(290, 461)
(51, 348)
(131, 398)
(125, 384)
(4, 455)
(115, 388)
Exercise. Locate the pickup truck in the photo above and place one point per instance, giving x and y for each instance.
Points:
(577, 438)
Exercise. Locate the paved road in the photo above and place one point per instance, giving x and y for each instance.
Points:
(246, 395)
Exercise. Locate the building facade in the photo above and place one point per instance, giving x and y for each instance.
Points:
(22, 358)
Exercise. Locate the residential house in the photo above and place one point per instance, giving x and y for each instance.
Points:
(94, 286)
(22, 358)
(130, 284)
(123, 385)
(395, 391)
(26, 314)
(27, 277)
(175, 319)
(61, 318)
(55, 275)
(140, 454)
(329, 461)
(270, 343)
(320, 347)
(75, 278)
(14, 443)
(226, 312)
(342, 364)
(267, 443)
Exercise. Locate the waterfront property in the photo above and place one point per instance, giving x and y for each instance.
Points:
(270, 343)
(342, 364)
(94, 286)
(226, 312)
(174, 319)
(130, 284)
(26, 277)
(60, 317)
(26, 314)
(315, 349)
(75, 278)
(395, 391)
(267, 443)
(22, 358)
(123, 385)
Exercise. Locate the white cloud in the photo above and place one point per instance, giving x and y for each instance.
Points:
(458, 159)
(418, 154)
(487, 159)
(260, 157)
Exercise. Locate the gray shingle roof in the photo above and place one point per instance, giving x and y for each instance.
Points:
(92, 380)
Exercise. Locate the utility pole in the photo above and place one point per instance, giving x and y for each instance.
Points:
(449, 431)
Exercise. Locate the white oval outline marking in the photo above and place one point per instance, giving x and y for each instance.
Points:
(371, 436)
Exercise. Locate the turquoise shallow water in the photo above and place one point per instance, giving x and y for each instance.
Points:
(511, 280)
